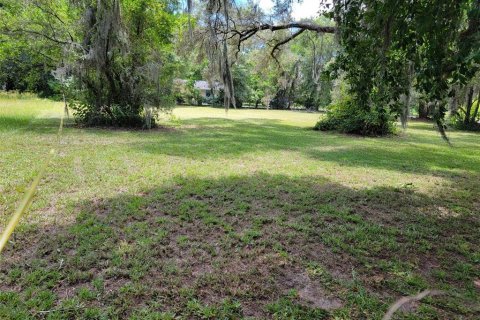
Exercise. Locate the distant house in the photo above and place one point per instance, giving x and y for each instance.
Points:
(202, 86)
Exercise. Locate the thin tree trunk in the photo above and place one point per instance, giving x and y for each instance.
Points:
(66, 106)
(475, 113)
(408, 97)
(454, 101)
(468, 108)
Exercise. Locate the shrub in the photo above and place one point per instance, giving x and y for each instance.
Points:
(457, 121)
(117, 116)
(346, 117)
(280, 100)
(219, 99)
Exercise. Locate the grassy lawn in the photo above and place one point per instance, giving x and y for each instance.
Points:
(249, 214)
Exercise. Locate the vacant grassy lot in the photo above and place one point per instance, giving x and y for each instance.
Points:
(250, 215)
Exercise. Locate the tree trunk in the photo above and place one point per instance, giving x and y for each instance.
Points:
(468, 107)
(422, 109)
(475, 113)
(454, 101)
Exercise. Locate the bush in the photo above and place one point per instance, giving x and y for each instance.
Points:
(213, 100)
(280, 100)
(457, 121)
(219, 99)
(116, 116)
(346, 117)
(180, 99)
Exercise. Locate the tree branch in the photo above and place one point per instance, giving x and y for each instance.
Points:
(281, 43)
(246, 34)
(33, 32)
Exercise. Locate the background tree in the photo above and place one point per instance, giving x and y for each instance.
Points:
(26, 55)
(465, 105)
(128, 68)
(229, 27)
(118, 53)
(22, 70)
(387, 45)
(386, 48)
(314, 52)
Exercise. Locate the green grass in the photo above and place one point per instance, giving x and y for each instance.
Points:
(249, 214)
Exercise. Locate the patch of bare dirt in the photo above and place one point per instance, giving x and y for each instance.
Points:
(310, 292)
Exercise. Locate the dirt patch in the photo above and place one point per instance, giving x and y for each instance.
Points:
(310, 292)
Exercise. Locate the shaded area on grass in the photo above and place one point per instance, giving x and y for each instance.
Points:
(13, 123)
(214, 138)
(265, 246)
(19, 113)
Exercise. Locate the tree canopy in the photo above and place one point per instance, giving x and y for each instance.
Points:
(116, 55)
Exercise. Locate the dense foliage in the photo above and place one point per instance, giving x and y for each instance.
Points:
(23, 71)
(345, 116)
(390, 46)
(116, 57)
(465, 105)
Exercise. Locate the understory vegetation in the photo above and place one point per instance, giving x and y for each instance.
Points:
(345, 117)
(242, 215)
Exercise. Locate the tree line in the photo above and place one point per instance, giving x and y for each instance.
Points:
(368, 63)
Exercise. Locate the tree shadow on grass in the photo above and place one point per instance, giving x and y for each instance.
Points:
(211, 138)
(215, 138)
(28, 124)
(13, 123)
(251, 246)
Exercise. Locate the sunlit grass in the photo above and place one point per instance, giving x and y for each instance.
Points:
(17, 111)
(298, 118)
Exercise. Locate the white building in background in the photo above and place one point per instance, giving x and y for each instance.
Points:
(202, 86)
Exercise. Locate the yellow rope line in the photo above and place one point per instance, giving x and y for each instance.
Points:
(27, 199)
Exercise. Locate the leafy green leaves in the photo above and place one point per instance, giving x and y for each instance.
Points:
(380, 40)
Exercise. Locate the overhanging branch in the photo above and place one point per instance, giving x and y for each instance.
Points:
(286, 40)
(246, 34)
